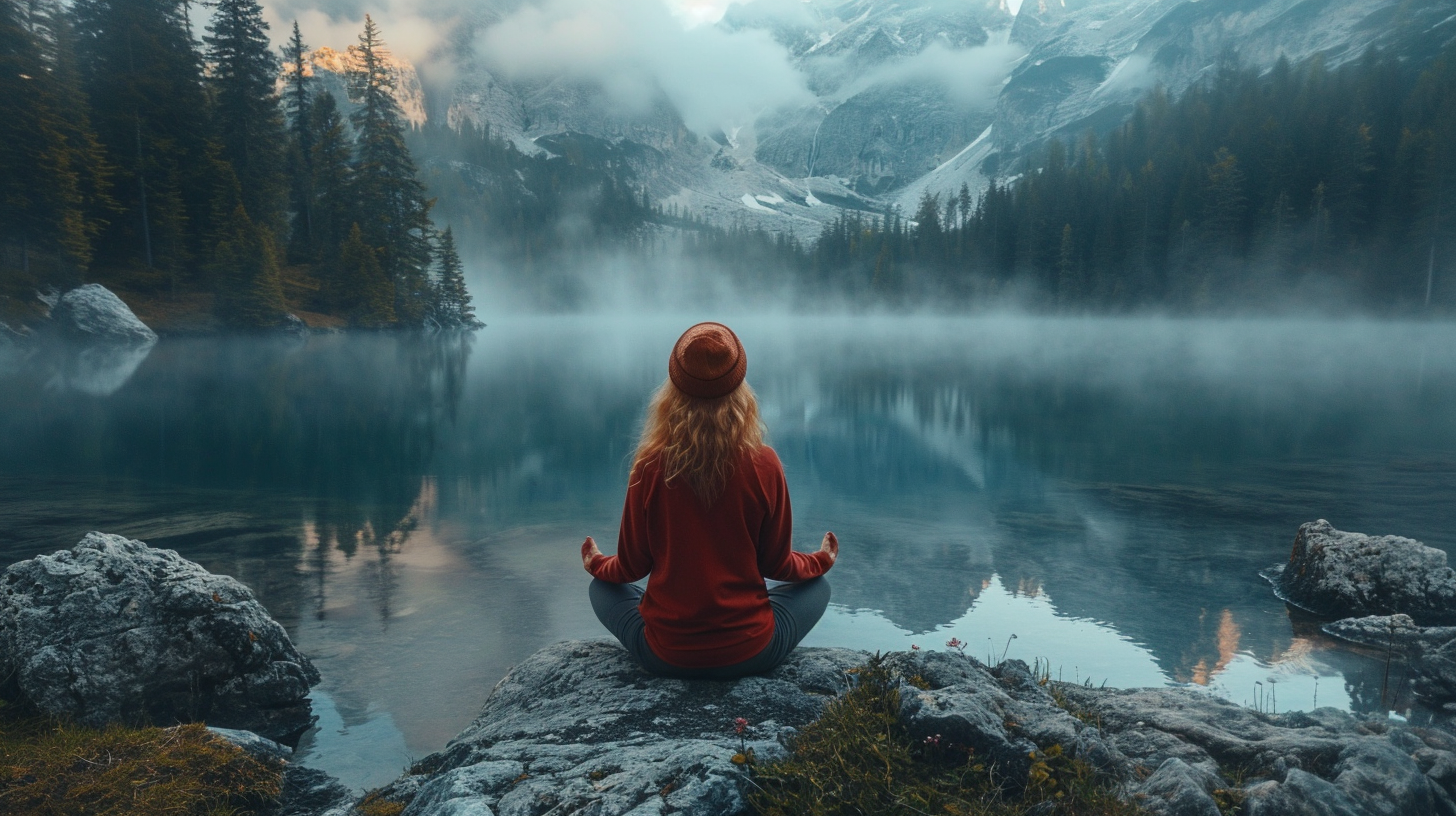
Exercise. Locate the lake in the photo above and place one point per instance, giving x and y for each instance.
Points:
(1099, 494)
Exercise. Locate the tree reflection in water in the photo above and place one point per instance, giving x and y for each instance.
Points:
(1106, 490)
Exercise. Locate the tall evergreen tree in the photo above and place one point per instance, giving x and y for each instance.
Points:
(298, 102)
(330, 191)
(393, 213)
(143, 77)
(245, 266)
(452, 302)
(369, 301)
(250, 126)
(46, 163)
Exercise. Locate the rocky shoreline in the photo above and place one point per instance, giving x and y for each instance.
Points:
(578, 728)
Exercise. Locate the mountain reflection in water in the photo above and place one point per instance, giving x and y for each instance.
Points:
(1104, 490)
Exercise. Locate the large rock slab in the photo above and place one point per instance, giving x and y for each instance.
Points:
(1340, 575)
(579, 725)
(579, 729)
(93, 312)
(116, 631)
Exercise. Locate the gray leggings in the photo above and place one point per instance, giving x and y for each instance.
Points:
(796, 608)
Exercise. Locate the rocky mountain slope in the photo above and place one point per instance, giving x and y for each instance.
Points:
(917, 96)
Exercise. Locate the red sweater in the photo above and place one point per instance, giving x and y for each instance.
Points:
(706, 604)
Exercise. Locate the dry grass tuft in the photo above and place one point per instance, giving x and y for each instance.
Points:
(52, 768)
(858, 759)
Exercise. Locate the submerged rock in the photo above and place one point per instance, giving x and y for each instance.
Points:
(578, 728)
(1339, 574)
(1396, 633)
(116, 631)
(92, 312)
(1429, 651)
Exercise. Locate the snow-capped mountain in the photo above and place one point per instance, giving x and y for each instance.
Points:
(330, 69)
(917, 96)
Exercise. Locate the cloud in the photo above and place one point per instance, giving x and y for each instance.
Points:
(973, 76)
(408, 29)
(638, 49)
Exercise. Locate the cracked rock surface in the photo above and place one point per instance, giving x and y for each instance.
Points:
(116, 631)
(579, 729)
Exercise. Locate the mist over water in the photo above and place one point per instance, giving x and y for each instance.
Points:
(1104, 489)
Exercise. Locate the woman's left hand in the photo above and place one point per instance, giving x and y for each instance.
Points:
(588, 552)
(830, 544)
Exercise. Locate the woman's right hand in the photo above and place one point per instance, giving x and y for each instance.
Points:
(830, 545)
(588, 552)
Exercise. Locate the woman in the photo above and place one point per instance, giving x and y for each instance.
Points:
(707, 515)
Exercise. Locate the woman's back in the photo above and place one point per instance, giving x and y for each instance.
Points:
(706, 603)
(707, 517)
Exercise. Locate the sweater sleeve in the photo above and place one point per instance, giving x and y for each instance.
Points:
(776, 557)
(633, 560)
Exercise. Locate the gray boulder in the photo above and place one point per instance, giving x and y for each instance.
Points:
(1434, 674)
(293, 325)
(1319, 762)
(1002, 714)
(92, 312)
(579, 726)
(113, 631)
(1179, 789)
(1339, 574)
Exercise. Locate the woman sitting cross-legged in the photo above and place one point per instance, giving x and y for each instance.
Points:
(707, 516)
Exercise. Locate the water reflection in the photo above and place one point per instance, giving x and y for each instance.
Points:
(1106, 491)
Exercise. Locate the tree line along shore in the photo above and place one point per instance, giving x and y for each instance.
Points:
(171, 170)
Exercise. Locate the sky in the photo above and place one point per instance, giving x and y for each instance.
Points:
(639, 50)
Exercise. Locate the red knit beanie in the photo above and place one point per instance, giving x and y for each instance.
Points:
(707, 361)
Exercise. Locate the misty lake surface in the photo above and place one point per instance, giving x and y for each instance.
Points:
(1095, 493)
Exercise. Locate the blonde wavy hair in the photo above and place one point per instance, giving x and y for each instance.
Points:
(699, 440)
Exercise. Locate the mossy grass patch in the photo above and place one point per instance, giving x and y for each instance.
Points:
(49, 767)
(858, 758)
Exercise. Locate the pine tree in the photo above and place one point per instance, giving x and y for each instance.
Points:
(298, 102)
(453, 307)
(142, 73)
(245, 266)
(370, 300)
(330, 188)
(250, 127)
(1068, 289)
(42, 205)
(393, 213)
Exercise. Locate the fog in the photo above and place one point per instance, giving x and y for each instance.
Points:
(637, 50)
(408, 507)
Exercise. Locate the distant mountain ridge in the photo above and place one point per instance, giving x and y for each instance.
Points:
(885, 127)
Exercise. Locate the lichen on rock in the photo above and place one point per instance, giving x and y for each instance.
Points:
(116, 631)
(1340, 574)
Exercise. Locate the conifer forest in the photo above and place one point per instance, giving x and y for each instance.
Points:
(136, 155)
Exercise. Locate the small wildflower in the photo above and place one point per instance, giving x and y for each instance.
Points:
(914, 647)
(933, 741)
(957, 644)
(739, 724)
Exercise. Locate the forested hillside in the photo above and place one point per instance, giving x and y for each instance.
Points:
(187, 174)
(1304, 182)
(135, 156)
